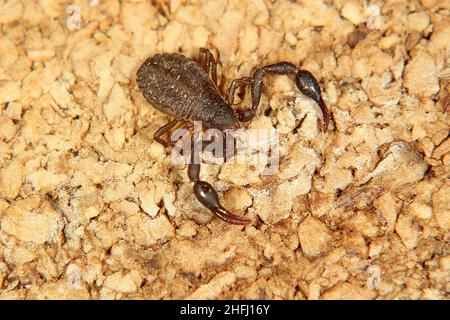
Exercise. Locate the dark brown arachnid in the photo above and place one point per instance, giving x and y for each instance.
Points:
(182, 88)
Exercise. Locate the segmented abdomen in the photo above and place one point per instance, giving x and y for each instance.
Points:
(175, 85)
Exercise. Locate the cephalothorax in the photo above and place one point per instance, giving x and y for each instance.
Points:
(187, 90)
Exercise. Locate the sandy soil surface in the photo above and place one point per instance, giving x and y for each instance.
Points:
(92, 207)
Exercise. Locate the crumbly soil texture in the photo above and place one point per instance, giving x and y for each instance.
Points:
(91, 207)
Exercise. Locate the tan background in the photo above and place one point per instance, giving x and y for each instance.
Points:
(91, 207)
